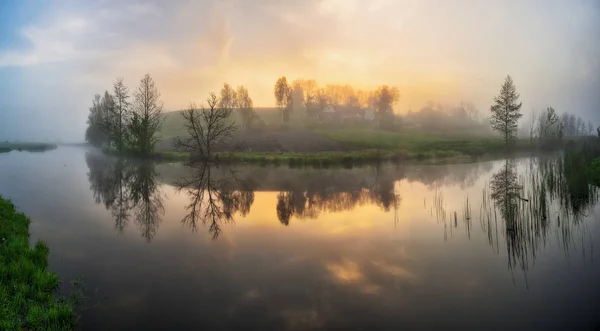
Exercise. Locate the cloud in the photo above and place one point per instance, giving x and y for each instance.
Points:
(446, 51)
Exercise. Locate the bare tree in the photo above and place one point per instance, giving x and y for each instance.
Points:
(206, 127)
(506, 111)
(147, 116)
(121, 112)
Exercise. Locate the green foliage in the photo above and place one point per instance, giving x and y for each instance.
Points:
(27, 287)
(506, 111)
(131, 128)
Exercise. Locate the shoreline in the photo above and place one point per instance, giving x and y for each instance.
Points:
(28, 289)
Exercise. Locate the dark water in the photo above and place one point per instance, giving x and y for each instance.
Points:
(167, 247)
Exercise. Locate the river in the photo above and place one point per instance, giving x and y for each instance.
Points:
(492, 245)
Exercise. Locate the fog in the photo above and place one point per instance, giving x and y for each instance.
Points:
(55, 57)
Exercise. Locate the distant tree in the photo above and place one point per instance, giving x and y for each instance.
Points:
(206, 127)
(108, 109)
(385, 98)
(283, 98)
(506, 111)
(298, 95)
(121, 113)
(95, 133)
(590, 128)
(245, 106)
(228, 97)
(147, 117)
(548, 124)
(580, 126)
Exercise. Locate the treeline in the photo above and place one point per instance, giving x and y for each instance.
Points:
(548, 125)
(306, 94)
(131, 126)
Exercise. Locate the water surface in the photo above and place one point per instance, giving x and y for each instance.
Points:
(490, 245)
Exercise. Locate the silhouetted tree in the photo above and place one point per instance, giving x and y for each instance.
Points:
(147, 117)
(283, 98)
(245, 106)
(506, 111)
(206, 127)
(121, 113)
(227, 97)
(96, 132)
(285, 207)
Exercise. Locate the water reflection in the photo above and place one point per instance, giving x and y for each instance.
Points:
(532, 203)
(126, 186)
(214, 199)
(309, 202)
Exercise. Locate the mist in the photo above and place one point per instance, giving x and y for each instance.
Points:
(55, 57)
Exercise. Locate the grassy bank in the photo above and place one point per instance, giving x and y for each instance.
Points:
(27, 287)
(6, 147)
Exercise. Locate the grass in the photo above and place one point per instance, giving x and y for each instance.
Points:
(27, 287)
(420, 143)
(6, 147)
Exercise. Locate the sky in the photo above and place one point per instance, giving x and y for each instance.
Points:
(55, 55)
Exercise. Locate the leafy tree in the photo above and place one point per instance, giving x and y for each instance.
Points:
(96, 133)
(228, 97)
(506, 111)
(108, 109)
(245, 106)
(121, 113)
(385, 97)
(283, 98)
(147, 117)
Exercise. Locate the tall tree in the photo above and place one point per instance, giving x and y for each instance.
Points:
(96, 133)
(245, 106)
(108, 110)
(590, 128)
(283, 98)
(205, 128)
(384, 99)
(121, 113)
(147, 116)
(228, 97)
(506, 111)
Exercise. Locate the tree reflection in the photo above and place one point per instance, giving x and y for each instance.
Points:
(214, 199)
(322, 198)
(125, 186)
(533, 204)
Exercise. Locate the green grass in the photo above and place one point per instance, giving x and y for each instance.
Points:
(27, 287)
(420, 143)
(6, 147)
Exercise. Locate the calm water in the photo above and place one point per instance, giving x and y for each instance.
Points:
(168, 247)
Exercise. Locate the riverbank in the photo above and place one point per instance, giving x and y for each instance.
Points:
(28, 298)
(6, 147)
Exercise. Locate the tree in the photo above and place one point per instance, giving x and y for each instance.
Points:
(298, 95)
(108, 110)
(283, 98)
(121, 113)
(385, 97)
(548, 124)
(580, 126)
(506, 112)
(245, 106)
(228, 97)
(590, 128)
(147, 116)
(206, 127)
(96, 133)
